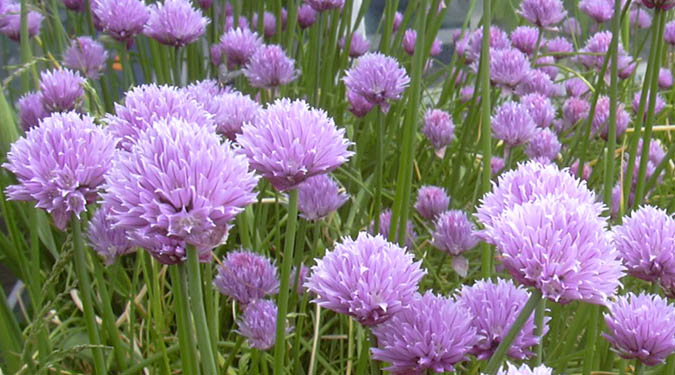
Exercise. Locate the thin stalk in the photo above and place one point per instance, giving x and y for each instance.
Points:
(497, 358)
(539, 315)
(591, 339)
(185, 337)
(613, 103)
(137, 367)
(379, 161)
(157, 311)
(109, 317)
(198, 314)
(279, 344)
(315, 341)
(233, 353)
(87, 303)
(36, 281)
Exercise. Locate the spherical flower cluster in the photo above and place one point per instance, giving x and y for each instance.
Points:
(290, 142)
(259, 324)
(540, 109)
(669, 33)
(431, 201)
(646, 242)
(641, 327)
(60, 165)
(574, 110)
(524, 369)
(61, 90)
(146, 104)
(536, 81)
(543, 13)
(433, 333)
(358, 45)
(368, 278)
(508, 67)
(544, 145)
(178, 186)
(496, 165)
(385, 227)
(270, 22)
(269, 67)
(10, 21)
(665, 79)
(175, 23)
(322, 5)
(571, 26)
(306, 16)
(398, 20)
(599, 10)
(318, 196)
(31, 110)
(87, 56)
(600, 123)
(546, 65)
(454, 233)
(659, 104)
(576, 87)
(640, 17)
(439, 129)
(474, 41)
(559, 46)
(495, 307)
(107, 241)
(593, 53)
(246, 276)
(513, 124)
(301, 279)
(358, 105)
(524, 38)
(239, 45)
(377, 78)
(122, 19)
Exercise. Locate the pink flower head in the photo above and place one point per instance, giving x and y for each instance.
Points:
(559, 45)
(600, 124)
(513, 124)
(524, 38)
(431, 201)
(540, 109)
(377, 78)
(439, 129)
(239, 45)
(62, 90)
(319, 196)
(669, 33)
(599, 10)
(543, 146)
(246, 276)
(107, 241)
(31, 110)
(358, 45)
(270, 67)
(87, 56)
(640, 17)
(454, 233)
(306, 16)
(659, 4)
(358, 105)
(665, 79)
(543, 13)
(175, 23)
(10, 22)
(122, 19)
(508, 67)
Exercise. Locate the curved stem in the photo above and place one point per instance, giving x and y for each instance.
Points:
(198, 314)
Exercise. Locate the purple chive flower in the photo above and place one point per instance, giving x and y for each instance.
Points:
(377, 78)
(496, 165)
(385, 226)
(145, 104)
(61, 90)
(318, 196)
(10, 22)
(269, 67)
(87, 56)
(641, 327)
(439, 129)
(544, 145)
(259, 324)
(409, 41)
(301, 279)
(246, 276)
(454, 233)
(231, 111)
(536, 81)
(216, 54)
(75, 5)
(559, 46)
(659, 104)
(242, 22)
(508, 67)
(640, 17)
(571, 26)
(599, 10)
(545, 64)
(600, 122)
(306, 16)
(524, 369)
(513, 124)
(31, 110)
(524, 38)
(433, 333)
(290, 142)
(573, 110)
(646, 242)
(358, 105)
(175, 23)
(540, 109)
(598, 46)
(585, 172)
(498, 40)
(543, 13)
(368, 278)
(431, 201)
(239, 45)
(495, 307)
(60, 165)
(669, 33)
(576, 87)
(659, 4)
(269, 22)
(530, 181)
(121, 19)
(560, 246)
(322, 5)
(398, 19)
(178, 186)
(665, 79)
(466, 93)
(108, 241)
(358, 45)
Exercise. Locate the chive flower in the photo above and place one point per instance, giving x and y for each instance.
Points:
(246, 276)
(175, 23)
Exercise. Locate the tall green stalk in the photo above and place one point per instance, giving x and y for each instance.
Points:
(206, 354)
(486, 126)
(379, 161)
(613, 104)
(289, 244)
(185, 337)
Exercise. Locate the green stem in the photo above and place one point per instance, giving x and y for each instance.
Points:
(613, 100)
(85, 288)
(109, 317)
(185, 337)
(379, 161)
(233, 353)
(137, 367)
(497, 358)
(591, 339)
(198, 314)
(539, 315)
(279, 344)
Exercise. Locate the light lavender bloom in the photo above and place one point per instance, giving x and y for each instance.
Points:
(233, 110)
(306, 16)
(659, 104)
(496, 165)
(368, 278)
(175, 23)
(536, 81)
(302, 278)
(585, 172)
(259, 324)
(454, 233)
(540, 109)
(543, 13)
(641, 327)
(269, 22)
(544, 145)
(409, 41)
(599, 10)
(571, 26)
(498, 40)
(431, 201)
(508, 67)
(385, 227)
(600, 123)
(87, 56)
(524, 369)
(61, 90)
(398, 19)
(31, 110)
(319, 196)
(358, 105)
(10, 22)
(574, 110)
(358, 45)
(559, 45)
(242, 22)
(596, 48)
(146, 104)
(665, 79)
(246, 276)
(513, 124)
(546, 65)
(60, 165)
(434, 333)
(290, 142)
(323, 5)
(576, 87)
(646, 242)
(640, 17)
(439, 129)
(178, 186)
(377, 78)
(524, 38)
(108, 241)
(121, 19)
(239, 45)
(669, 33)
(495, 307)
(269, 67)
